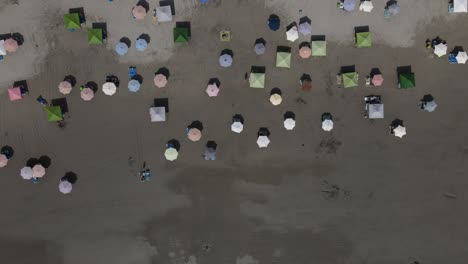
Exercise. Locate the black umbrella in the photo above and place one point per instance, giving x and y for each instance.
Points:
(45, 161)
(211, 144)
(32, 162)
(7, 151)
(70, 177)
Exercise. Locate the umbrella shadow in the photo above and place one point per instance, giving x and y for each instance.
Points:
(214, 81)
(103, 27)
(80, 12)
(263, 131)
(238, 118)
(361, 29)
(164, 71)
(7, 151)
(168, 3)
(228, 52)
(71, 79)
(317, 38)
(32, 162)
(304, 44)
(427, 98)
(126, 40)
(273, 16)
(185, 24)
(289, 114)
(396, 122)
(196, 124)
(5, 36)
(162, 102)
(211, 144)
(326, 116)
(113, 79)
(146, 37)
(138, 77)
(258, 69)
(305, 77)
(457, 49)
(375, 71)
(174, 143)
(92, 85)
(293, 24)
(62, 103)
(347, 69)
(18, 37)
(305, 19)
(389, 3)
(23, 84)
(276, 91)
(45, 161)
(260, 40)
(404, 70)
(144, 4)
(283, 49)
(71, 177)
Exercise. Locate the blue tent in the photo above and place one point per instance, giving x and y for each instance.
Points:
(274, 22)
(133, 86)
(121, 48)
(141, 44)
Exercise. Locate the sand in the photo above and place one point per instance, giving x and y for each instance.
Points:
(355, 195)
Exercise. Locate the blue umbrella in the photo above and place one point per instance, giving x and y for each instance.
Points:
(133, 85)
(274, 23)
(349, 5)
(225, 60)
(141, 44)
(121, 48)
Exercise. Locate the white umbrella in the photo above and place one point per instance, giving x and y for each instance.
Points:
(158, 114)
(327, 125)
(26, 173)
(65, 187)
(430, 106)
(440, 49)
(462, 57)
(289, 123)
(305, 28)
(376, 111)
(263, 141)
(109, 88)
(171, 154)
(366, 6)
(399, 131)
(292, 34)
(237, 127)
(225, 60)
(2, 48)
(164, 13)
(460, 6)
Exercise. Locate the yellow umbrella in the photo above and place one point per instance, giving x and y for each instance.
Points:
(171, 154)
(276, 99)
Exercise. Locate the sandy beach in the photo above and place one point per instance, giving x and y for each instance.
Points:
(353, 195)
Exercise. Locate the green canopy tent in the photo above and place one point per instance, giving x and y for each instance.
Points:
(363, 39)
(257, 80)
(407, 80)
(283, 59)
(181, 35)
(350, 79)
(319, 48)
(95, 36)
(54, 113)
(72, 21)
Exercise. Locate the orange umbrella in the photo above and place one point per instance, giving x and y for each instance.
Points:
(305, 52)
(194, 134)
(10, 45)
(87, 94)
(160, 80)
(139, 12)
(65, 87)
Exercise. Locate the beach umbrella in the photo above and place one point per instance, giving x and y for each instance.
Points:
(72, 21)
(134, 85)
(65, 87)
(171, 154)
(15, 93)
(460, 6)
(366, 6)
(461, 57)
(292, 34)
(394, 9)
(259, 48)
(306, 85)
(164, 13)
(399, 131)
(65, 187)
(139, 12)
(237, 127)
(26, 173)
(38, 171)
(430, 106)
(157, 114)
(407, 80)
(440, 49)
(319, 48)
(10, 45)
(2, 48)
(257, 80)
(7, 151)
(109, 88)
(275, 99)
(350, 79)
(87, 94)
(305, 52)
(349, 5)
(263, 141)
(121, 48)
(95, 36)
(283, 59)
(141, 44)
(305, 28)
(194, 134)
(375, 111)
(274, 22)
(363, 39)
(160, 80)
(3, 160)
(225, 60)
(212, 90)
(210, 154)
(377, 80)
(327, 125)
(181, 35)
(289, 123)
(54, 113)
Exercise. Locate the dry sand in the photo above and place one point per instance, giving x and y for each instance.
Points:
(251, 205)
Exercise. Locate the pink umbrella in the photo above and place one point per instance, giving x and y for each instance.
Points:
(87, 94)
(3, 161)
(212, 90)
(377, 80)
(305, 52)
(38, 171)
(15, 94)
(194, 134)
(10, 45)
(139, 12)
(160, 80)
(65, 87)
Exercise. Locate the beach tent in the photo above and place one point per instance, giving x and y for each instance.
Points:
(3, 160)
(160, 80)
(305, 52)
(72, 21)
(212, 90)
(399, 131)
(141, 44)
(157, 114)
(257, 80)
(54, 113)
(375, 111)
(26, 173)
(95, 36)
(237, 127)
(407, 80)
(134, 85)
(276, 99)
(349, 5)
(289, 123)
(305, 28)
(109, 88)
(171, 154)
(164, 13)
(2, 48)
(377, 80)
(292, 34)
(38, 171)
(65, 87)
(263, 141)
(350, 79)
(181, 35)
(65, 187)
(121, 48)
(274, 22)
(225, 60)
(363, 39)
(461, 57)
(440, 49)
(460, 6)
(366, 6)
(10, 45)
(283, 59)
(327, 125)
(259, 48)
(139, 12)
(319, 48)
(87, 94)
(15, 93)
(194, 134)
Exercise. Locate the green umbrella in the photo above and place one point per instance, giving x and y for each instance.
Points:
(350, 79)
(407, 80)
(283, 59)
(95, 36)
(363, 39)
(257, 80)
(72, 21)
(319, 48)
(181, 35)
(54, 113)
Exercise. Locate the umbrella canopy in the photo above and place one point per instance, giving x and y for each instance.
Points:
(305, 52)
(399, 131)
(54, 113)
(462, 57)
(3, 160)
(283, 59)
(363, 39)
(377, 80)
(72, 21)
(327, 125)
(257, 80)
(38, 171)
(160, 80)
(134, 85)
(440, 49)
(394, 9)
(141, 44)
(349, 5)
(460, 6)
(171, 154)
(26, 173)
(139, 12)
(212, 90)
(350, 79)
(87, 94)
(305, 28)
(210, 154)
(10, 45)
(376, 111)
(275, 99)
(319, 48)
(366, 6)
(292, 34)
(65, 87)
(259, 48)
(274, 23)
(263, 141)
(237, 127)
(95, 36)
(121, 48)
(289, 123)
(430, 106)
(157, 114)
(109, 88)
(225, 60)
(2, 48)
(407, 80)
(164, 13)
(65, 187)
(194, 134)
(14, 93)
(181, 35)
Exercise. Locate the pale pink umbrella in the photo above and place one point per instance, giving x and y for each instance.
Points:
(139, 12)
(212, 90)
(160, 80)
(305, 52)
(65, 87)
(10, 45)
(3, 161)
(38, 171)
(194, 134)
(15, 94)
(377, 80)
(87, 94)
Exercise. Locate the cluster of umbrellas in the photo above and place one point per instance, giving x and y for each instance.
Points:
(67, 182)
(6, 153)
(305, 28)
(173, 147)
(123, 46)
(35, 168)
